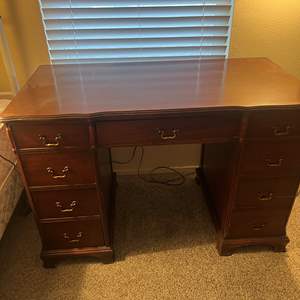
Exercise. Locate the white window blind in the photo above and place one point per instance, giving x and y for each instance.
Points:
(121, 30)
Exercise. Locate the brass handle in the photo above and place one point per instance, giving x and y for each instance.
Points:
(45, 142)
(265, 197)
(76, 239)
(281, 131)
(65, 170)
(272, 164)
(167, 137)
(259, 227)
(66, 210)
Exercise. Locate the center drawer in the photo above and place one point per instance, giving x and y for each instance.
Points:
(42, 169)
(66, 203)
(72, 234)
(191, 129)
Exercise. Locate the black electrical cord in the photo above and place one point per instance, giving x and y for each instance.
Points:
(179, 178)
(127, 161)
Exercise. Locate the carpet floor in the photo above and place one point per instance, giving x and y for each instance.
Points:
(165, 249)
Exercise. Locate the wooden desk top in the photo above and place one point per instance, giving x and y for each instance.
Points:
(110, 89)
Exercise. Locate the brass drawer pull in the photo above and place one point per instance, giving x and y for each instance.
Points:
(45, 141)
(76, 239)
(72, 205)
(163, 135)
(259, 227)
(281, 131)
(64, 171)
(264, 197)
(272, 164)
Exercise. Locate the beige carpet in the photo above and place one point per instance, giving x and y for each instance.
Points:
(165, 250)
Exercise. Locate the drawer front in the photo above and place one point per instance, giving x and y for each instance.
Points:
(169, 130)
(275, 193)
(275, 124)
(272, 158)
(257, 224)
(66, 203)
(58, 168)
(72, 234)
(51, 135)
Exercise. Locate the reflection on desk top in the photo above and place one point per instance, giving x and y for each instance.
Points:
(109, 89)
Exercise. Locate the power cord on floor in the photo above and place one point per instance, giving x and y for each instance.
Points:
(7, 160)
(179, 178)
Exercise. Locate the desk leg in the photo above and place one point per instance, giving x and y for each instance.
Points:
(227, 247)
(51, 258)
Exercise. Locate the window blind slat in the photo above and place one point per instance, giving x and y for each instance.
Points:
(145, 52)
(136, 59)
(134, 33)
(143, 12)
(96, 30)
(137, 43)
(129, 3)
(179, 22)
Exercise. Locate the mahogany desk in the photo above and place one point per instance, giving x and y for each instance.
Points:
(245, 111)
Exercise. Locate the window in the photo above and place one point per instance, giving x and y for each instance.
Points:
(121, 30)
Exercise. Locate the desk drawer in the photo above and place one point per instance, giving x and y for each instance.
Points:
(275, 124)
(72, 234)
(269, 194)
(257, 224)
(58, 168)
(169, 130)
(51, 135)
(272, 158)
(66, 203)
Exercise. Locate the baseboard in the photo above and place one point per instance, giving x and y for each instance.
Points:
(129, 171)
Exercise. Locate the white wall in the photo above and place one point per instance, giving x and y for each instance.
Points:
(184, 157)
